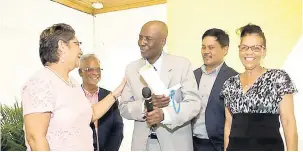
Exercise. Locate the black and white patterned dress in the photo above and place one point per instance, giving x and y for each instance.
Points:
(255, 114)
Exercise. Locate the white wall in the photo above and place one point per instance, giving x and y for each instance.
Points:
(291, 66)
(21, 22)
(116, 36)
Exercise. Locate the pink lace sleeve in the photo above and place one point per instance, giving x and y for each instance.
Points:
(37, 96)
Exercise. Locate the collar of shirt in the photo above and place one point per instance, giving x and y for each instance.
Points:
(214, 71)
(88, 94)
(157, 64)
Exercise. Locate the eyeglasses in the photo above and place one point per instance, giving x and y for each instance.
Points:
(78, 43)
(254, 48)
(91, 70)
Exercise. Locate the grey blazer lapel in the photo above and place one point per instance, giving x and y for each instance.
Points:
(141, 64)
(166, 70)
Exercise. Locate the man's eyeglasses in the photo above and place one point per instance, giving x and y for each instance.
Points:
(91, 70)
(254, 48)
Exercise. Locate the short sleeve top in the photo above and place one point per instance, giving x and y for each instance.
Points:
(262, 97)
(70, 110)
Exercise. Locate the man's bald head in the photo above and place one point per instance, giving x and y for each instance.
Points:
(158, 26)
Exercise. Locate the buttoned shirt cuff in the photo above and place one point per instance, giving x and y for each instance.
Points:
(167, 119)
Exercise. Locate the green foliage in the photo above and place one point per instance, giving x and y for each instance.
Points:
(12, 134)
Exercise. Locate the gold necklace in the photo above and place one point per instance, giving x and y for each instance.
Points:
(69, 83)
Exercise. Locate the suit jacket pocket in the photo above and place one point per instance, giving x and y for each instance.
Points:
(178, 97)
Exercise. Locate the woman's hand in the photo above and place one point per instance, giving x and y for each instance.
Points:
(100, 108)
(117, 92)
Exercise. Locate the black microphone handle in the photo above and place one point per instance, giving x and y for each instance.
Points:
(149, 107)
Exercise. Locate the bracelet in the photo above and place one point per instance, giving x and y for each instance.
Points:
(113, 96)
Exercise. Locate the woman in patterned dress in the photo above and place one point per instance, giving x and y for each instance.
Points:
(56, 112)
(255, 99)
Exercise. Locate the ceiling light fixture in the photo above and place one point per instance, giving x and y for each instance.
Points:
(97, 5)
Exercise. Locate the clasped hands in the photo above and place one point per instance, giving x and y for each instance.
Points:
(157, 115)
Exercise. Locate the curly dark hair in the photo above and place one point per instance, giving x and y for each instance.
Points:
(252, 29)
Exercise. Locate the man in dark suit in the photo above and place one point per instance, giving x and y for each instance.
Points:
(208, 126)
(108, 130)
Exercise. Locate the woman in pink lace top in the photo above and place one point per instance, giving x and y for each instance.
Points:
(56, 112)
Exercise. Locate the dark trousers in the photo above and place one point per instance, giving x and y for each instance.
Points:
(203, 145)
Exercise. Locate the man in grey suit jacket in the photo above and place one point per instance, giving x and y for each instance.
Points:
(208, 126)
(174, 130)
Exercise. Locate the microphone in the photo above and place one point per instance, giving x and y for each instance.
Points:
(146, 93)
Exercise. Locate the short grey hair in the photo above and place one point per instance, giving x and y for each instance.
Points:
(86, 57)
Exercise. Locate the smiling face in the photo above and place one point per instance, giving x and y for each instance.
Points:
(152, 39)
(69, 53)
(90, 71)
(251, 51)
(74, 53)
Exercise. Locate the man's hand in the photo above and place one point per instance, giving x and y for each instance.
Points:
(160, 101)
(155, 116)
